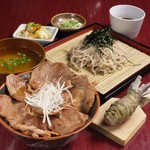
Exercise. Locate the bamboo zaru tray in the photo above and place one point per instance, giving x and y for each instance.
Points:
(110, 84)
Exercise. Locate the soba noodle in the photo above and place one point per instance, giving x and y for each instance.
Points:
(106, 62)
(98, 61)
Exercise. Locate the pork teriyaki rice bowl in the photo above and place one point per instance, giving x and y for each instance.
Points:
(50, 102)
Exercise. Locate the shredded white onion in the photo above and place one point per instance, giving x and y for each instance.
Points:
(49, 99)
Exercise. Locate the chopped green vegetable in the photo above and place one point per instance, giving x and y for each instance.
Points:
(9, 64)
(70, 23)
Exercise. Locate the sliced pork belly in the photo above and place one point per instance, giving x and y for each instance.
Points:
(16, 86)
(71, 120)
(11, 110)
(39, 75)
(18, 116)
(29, 120)
(83, 93)
(51, 72)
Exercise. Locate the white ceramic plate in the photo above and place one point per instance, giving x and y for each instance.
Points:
(52, 30)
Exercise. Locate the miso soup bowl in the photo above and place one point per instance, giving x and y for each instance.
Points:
(10, 46)
(50, 143)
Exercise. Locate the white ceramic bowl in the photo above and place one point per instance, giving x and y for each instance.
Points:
(52, 30)
(126, 20)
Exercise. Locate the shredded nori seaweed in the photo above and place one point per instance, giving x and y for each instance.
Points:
(100, 38)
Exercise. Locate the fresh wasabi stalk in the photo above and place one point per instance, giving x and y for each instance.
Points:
(121, 110)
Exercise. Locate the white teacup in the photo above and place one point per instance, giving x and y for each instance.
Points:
(126, 20)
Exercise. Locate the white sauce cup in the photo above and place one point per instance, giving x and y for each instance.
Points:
(126, 20)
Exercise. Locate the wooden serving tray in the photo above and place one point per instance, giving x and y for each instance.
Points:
(110, 84)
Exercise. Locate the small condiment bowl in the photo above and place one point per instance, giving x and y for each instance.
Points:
(59, 19)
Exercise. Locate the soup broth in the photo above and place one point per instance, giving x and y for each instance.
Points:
(6, 55)
(126, 18)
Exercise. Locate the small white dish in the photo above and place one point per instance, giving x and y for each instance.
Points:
(52, 30)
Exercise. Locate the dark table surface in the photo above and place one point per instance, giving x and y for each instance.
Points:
(15, 12)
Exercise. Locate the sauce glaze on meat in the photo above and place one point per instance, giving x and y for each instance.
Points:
(28, 120)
